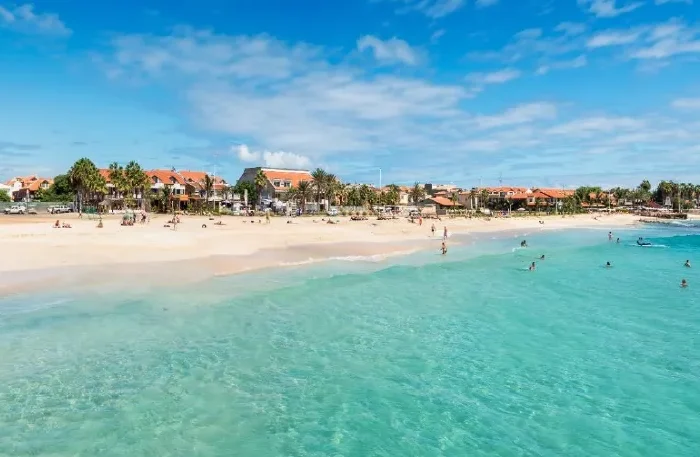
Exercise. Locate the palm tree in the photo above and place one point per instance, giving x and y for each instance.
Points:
(330, 188)
(484, 197)
(320, 179)
(85, 179)
(260, 182)
(301, 193)
(417, 193)
(137, 182)
(472, 198)
(208, 187)
(393, 195)
(367, 195)
(166, 198)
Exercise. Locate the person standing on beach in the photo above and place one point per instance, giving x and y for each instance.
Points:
(432, 229)
(444, 234)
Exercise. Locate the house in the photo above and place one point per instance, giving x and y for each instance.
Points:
(441, 204)
(278, 181)
(195, 187)
(25, 188)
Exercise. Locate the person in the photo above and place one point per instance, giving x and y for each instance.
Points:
(57, 224)
(523, 244)
(444, 233)
(432, 229)
(607, 264)
(618, 241)
(684, 283)
(609, 236)
(532, 266)
(443, 249)
(687, 264)
(542, 257)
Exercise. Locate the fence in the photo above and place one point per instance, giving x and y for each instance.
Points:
(40, 207)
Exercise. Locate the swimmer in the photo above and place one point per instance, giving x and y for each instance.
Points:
(684, 283)
(609, 236)
(523, 244)
(607, 265)
(542, 257)
(532, 266)
(687, 264)
(443, 249)
(618, 241)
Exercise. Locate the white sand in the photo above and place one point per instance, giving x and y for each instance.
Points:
(27, 244)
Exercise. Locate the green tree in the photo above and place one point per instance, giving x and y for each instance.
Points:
(392, 195)
(136, 182)
(301, 193)
(417, 193)
(320, 180)
(5, 197)
(85, 180)
(208, 189)
(260, 182)
(252, 189)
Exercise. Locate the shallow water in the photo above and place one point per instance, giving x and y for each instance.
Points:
(470, 354)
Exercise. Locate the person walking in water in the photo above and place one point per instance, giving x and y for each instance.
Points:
(432, 229)
(444, 234)
(532, 266)
(443, 249)
(609, 236)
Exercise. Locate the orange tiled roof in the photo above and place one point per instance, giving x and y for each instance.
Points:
(165, 175)
(104, 172)
(442, 201)
(35, 183)
(288, 175)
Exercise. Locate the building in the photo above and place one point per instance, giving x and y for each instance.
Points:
(22, 189)
(278, 181)
(441, 204)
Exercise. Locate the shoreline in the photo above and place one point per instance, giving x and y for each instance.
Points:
(36, 257)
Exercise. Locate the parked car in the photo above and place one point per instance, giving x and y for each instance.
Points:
(31, 210)
(15, 209)
(333, 211)
(59, 209)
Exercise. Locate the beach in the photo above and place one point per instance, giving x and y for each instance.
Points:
(418, 354)
(35, 254)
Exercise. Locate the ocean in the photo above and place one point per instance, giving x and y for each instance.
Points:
(469, 354)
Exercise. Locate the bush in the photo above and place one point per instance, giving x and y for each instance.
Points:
(364, 213)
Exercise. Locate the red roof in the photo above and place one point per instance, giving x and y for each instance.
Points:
(166, 176)
(442, 201)
(294, 176)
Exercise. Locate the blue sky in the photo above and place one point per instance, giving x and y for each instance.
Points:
(555, 93)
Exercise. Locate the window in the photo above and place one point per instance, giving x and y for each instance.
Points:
(276, 183)
(288, 184)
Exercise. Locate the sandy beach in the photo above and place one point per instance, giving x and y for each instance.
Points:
(33, 252)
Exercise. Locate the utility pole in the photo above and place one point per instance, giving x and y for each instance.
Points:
(380, 179)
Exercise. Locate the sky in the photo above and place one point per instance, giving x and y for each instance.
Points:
(527, 92)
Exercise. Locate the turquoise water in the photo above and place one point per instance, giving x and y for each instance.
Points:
(468, 355)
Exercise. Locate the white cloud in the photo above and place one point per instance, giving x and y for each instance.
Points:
(686, 103)
(437, 35)
(496, 77)
(578, 62)
(280, 159)
(571, 28)
(613, 38)
(521, 114)
(594, 125)
(245, 154)
(390, 51)
(663, 2)
(24, 19)
(434, 9)
(669, 39)
(608, 8)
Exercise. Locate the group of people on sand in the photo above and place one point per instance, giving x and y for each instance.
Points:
(59, 224)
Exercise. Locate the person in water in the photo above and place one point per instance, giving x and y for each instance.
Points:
(443, 249)
(687, 264)
(532, 266)
(542, 257)
(607, 265)
(684, 283)
(523, 244)
(609, 236)
(618, 241)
